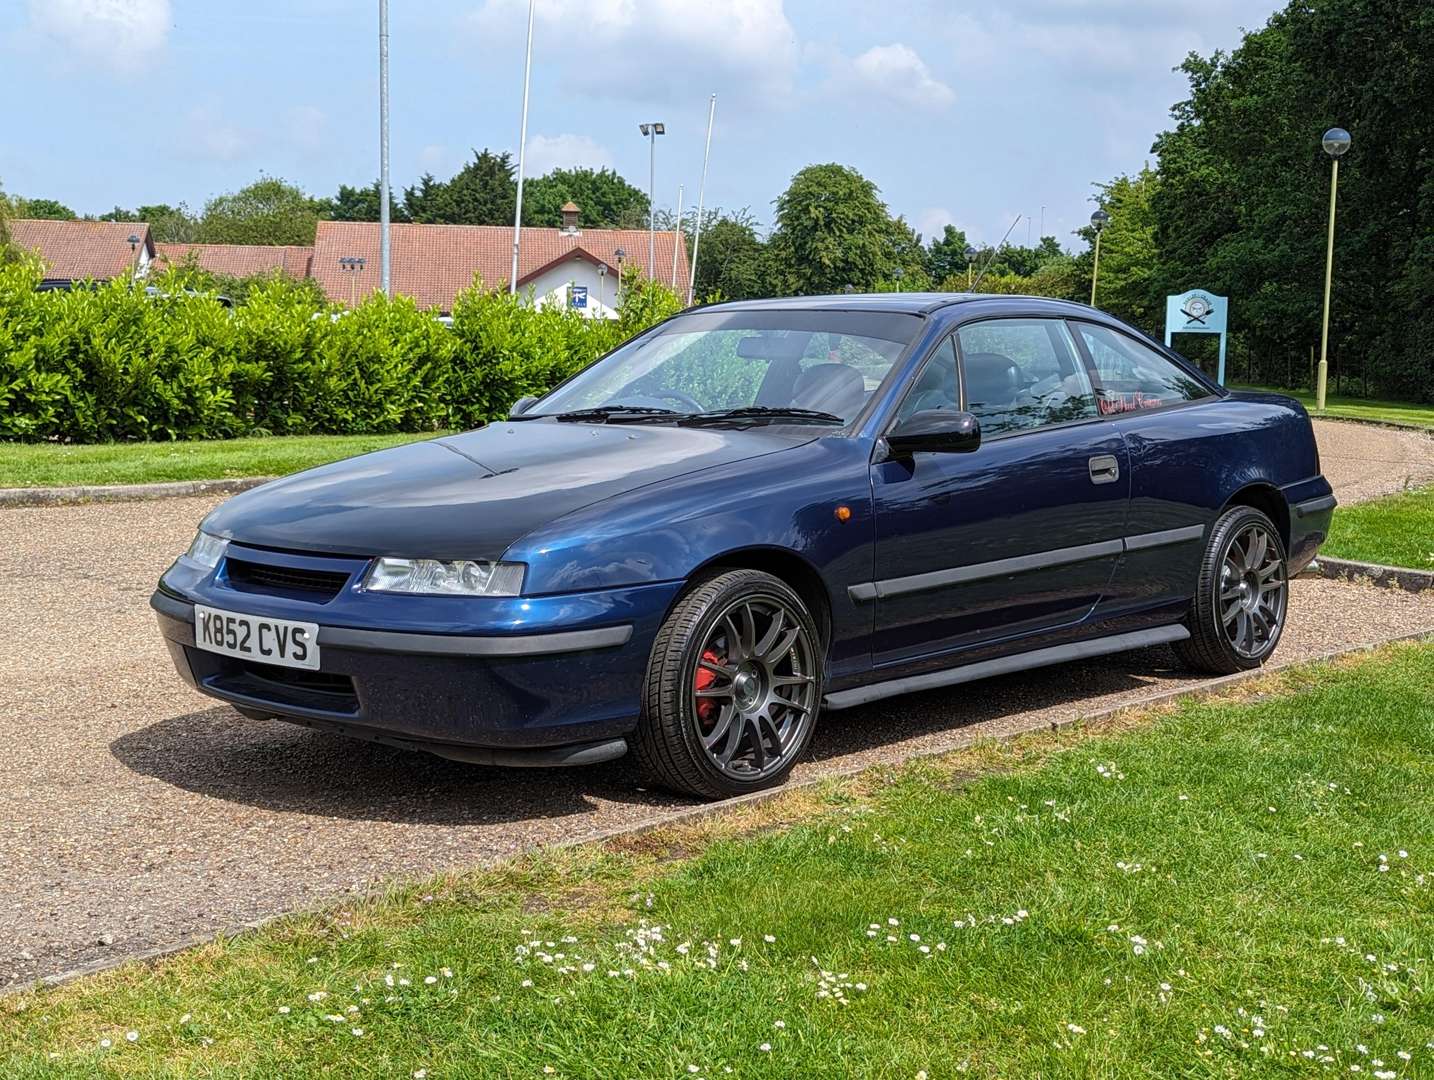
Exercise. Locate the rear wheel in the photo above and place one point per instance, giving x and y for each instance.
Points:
(1241, 596)
(733, 687)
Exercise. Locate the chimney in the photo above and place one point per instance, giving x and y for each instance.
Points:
(570, 214)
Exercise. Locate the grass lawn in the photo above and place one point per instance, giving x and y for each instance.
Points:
(51, 465)
(1223, 889)
(1397, 530)
(1402, 412)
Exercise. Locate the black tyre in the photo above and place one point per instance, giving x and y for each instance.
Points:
(1241, 597)
(733, 687)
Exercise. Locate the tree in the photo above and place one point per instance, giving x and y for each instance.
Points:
(8, 251)
(606, 200)
(1129, 284)
(483, 192)
(167, 224)
(46, 209)
(1242, 202)
(362, 204)
(268, 211)
(732, 259)
(946, 257)
(832, 231)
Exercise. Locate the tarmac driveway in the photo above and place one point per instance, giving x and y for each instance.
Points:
(134, 812)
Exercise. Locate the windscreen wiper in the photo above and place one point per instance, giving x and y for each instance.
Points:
(604, 413)
(764, 412)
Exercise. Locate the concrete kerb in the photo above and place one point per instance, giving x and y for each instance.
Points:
(959, 741)
(95, 493)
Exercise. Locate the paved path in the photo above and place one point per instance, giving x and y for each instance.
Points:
(1364, 462)
(136, 812)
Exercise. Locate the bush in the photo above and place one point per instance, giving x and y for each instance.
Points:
(113, 363)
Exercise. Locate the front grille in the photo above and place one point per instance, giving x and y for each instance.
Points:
(280, 687)
(320, 584)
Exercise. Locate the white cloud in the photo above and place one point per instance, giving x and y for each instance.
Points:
(898, 74)
(206, 134)
(654, 50)
(548, 152)
(120, 34)
(932, 221)
(307, 127)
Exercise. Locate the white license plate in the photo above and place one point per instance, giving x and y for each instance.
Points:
(253, 637)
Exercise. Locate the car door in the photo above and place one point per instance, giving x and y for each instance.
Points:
(1018, 537)
(1171, 453)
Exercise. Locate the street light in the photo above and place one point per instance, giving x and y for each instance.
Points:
(1099, 220)
(650, 132)
(618, 255)
(602, 290)
(1336, 143)
(970, 264)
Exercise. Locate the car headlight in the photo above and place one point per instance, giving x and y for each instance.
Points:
(461, 577)
(206, 550)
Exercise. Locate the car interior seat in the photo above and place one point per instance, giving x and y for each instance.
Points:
(833, 388)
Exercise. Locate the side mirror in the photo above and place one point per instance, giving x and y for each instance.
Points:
(521, 405)
(936, 431)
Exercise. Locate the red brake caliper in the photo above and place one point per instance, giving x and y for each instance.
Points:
(707, 707)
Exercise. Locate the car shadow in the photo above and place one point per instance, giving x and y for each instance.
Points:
(949, 709)
(277, 766)
(283, 767)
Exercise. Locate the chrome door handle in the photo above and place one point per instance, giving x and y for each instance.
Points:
(1104, 469)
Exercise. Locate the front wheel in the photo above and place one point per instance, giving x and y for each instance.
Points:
(1241, 596)
(733, 687)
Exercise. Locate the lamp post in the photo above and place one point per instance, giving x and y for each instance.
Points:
(650, 132)
(602, 288)
(1336, 142)
(970, 264)
(617, 256)
(1099, 220)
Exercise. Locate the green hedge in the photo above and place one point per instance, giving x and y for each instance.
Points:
(112, 363)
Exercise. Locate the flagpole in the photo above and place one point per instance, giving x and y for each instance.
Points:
(701, 196)
(522, 156)
(677, 233)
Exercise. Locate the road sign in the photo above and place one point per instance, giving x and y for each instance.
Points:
(1198, 312)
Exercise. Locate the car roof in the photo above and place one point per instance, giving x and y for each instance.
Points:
(913, 303)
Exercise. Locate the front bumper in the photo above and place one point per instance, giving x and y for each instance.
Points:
(478, 696)
(1311, 514)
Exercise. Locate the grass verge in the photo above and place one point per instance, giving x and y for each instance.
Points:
(53, 465)
(1400, 412)
(1233, 887)
(1397, 530)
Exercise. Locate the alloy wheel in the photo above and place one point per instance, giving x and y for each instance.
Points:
(1253, 592)
(754, 688)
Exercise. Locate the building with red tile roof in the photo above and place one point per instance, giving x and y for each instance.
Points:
(433, 263)
(237, 260)
(85, 250)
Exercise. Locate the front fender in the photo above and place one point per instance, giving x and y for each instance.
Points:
(786, 502)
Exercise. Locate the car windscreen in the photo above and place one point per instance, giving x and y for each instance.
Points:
(826, 362)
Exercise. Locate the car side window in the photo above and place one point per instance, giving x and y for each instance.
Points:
(1022, 374)
(1133, 376)
(937, 386)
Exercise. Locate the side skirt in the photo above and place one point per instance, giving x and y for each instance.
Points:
(1003, 665)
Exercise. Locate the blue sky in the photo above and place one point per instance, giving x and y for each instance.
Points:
(969, 113)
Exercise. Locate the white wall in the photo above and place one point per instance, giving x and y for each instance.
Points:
(553, 286)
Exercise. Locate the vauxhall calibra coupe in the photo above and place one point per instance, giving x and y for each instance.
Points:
(751, 513)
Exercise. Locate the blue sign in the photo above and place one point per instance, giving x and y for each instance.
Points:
(1198, 312)
(578, 296)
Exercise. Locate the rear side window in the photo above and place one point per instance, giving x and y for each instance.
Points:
(1024, 373)
(1134, 376)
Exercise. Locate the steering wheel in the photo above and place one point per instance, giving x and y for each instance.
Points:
(688, 402)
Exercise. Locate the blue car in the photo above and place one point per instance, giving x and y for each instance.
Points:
(749, 514)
